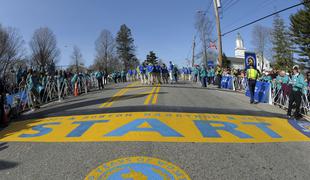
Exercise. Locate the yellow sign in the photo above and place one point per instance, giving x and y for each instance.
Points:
(154, 127)
(137, 168)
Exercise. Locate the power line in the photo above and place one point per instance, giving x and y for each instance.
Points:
(245, 15)
(231, 5)
(264, 17)
(227, 3)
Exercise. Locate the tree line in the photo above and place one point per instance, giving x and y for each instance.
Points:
(111, 53)
(285, 45)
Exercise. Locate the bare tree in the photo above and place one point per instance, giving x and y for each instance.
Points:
(77, 58)
(11, 49)
(44, 49)
(105, 50)
(261, 41)
(204, 27)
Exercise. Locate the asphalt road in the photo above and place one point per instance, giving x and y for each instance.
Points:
(223, 158)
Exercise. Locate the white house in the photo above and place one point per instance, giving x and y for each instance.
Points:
(237, 62)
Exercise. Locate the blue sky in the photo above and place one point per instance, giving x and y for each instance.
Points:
(164, 26)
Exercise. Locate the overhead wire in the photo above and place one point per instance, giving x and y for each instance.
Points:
(267, 16)
(245, 15)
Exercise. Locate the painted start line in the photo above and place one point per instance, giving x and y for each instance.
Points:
(157, 127)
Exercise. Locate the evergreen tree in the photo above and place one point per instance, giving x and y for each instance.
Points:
(225, 61)
(125, 47)
(151, 58)
(300, 30)
(282, 45)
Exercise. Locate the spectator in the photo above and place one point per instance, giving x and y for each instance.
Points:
(99, 76)
(298, 83)
(203, 76)
(3, 120)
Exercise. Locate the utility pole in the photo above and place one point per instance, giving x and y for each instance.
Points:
(219, 34)
(193, 55)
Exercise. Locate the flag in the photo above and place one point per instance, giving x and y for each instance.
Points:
(212, 45)
(249, 59)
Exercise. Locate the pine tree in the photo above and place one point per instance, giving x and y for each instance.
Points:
(300, 30)
(125, 47)
(151, 58)
(282, 45)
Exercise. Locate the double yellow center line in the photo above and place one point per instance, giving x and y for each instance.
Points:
(116, 96)
(153, 94)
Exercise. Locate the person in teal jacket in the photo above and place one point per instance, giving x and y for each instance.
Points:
(123, 76)
(282, 78)
(195, 73)
(266, 78)
(298, 83)
(212, 75)
(99, 76)
(203, 76)
(31, 84)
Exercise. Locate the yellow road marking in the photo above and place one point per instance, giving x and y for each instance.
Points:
(111, 99)
(121, 94)
(154, 127)
(154, 101)
(149, 97)
(116, 96)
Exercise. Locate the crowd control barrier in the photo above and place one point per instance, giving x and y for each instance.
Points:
(227, 82)
(262, 92)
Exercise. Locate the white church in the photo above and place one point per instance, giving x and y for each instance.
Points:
(237, 62)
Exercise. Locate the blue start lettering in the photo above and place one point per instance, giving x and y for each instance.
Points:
(83, 127)
(155, 126)
(264, 127)
(42, 130)
(208, 130)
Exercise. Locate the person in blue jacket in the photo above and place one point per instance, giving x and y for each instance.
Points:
(298, 83)
(170, 69)
(157, 73)
(134, 74)
(150, 71)
(142, 73)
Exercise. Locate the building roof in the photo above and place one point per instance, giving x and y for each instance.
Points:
(236, 60)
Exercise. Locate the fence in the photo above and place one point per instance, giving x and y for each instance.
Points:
(280, 97)
(56, 88)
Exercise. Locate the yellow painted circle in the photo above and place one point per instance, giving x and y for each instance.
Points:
(137, 168)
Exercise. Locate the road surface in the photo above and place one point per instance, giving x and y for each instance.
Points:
(206, 133)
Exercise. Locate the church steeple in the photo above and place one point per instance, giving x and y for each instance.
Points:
(239, 42)
(240, 49)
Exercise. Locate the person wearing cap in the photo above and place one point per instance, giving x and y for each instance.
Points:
(297, 82)
(252, 75)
